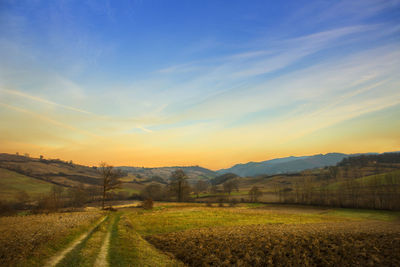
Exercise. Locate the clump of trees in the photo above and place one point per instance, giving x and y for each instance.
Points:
(154, 191)
(343, 187)
(231, 185)
(255, 193)
(178, 188)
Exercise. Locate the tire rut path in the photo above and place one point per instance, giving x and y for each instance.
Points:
(53, 261)
(101, 260)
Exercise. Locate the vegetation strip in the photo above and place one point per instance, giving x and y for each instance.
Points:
(53, 261)
(128, 248)
(102, 258)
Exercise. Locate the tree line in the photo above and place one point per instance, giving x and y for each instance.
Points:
(346, 185)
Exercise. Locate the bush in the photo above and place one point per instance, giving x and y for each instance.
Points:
(233, 202)
(7, 208)
(147, 204)
(221, 202)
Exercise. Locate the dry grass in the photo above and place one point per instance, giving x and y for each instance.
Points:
(327, 244)
(27, 240)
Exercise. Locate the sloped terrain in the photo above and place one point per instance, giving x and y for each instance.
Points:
(11, 183)
(162, 174)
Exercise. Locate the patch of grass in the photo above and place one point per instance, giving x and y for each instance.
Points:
(48, 233)
(13, 182)
(233, 193)
(255, 205)
(358, 214)
(128, 248)
(85, 253)
(178, 219)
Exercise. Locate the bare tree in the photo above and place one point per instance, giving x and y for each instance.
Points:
(56, 196)
(152, 191)
(110, 178)
(255, 193)
(179, 184)
(230, 185)
(200, 186)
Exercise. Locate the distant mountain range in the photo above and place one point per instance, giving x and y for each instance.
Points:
(286, 165)
(270, 167)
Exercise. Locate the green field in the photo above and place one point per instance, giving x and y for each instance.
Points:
(13, 182)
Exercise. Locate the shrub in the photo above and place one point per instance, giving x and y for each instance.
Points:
(147, 204)
(220, 202)
(233, 202)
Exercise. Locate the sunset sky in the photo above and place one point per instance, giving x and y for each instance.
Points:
(209, 83)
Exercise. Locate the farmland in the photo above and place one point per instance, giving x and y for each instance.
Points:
(178, 234)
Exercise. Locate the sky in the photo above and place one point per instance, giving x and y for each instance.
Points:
(209, 83)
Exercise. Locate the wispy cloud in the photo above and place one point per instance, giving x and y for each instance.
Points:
(144, 129)
(42, 100)
(49, 120)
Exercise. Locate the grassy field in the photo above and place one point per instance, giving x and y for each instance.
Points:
(12, 182)
(179, 234)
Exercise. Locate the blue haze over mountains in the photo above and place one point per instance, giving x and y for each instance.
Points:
(286, 165)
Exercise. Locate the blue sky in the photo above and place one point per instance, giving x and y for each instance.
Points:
(195, 82)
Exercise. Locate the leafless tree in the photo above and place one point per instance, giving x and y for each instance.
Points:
(110, 178)
(179, 185)
(230, 185)
(255, 193)
(200, 186)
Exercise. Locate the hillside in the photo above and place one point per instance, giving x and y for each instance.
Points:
(162, 174)
(54, 171)
(11, 183)
(35, 175)
(285, 165)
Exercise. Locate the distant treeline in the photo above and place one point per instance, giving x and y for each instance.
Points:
(366, 181)
(364, 160)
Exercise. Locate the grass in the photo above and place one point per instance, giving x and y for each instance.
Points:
(128, 248)
(172, 219)
(13, 182)
(86, 252)
(233, 193)
(255, 205)
(43, 251)
(357, 214)
(130, 227)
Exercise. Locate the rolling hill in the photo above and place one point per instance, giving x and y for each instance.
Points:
(162, 174)
(12, 182)
(285, 165)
